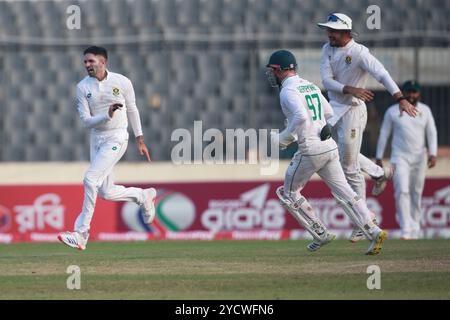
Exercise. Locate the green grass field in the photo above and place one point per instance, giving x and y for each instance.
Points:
(225, 270)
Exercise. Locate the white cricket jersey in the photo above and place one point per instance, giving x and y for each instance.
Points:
(409, 134)
(307, 110)
(95, 97)
(350, 65)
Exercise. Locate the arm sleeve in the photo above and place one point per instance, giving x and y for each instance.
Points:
(385, 132)
(295, 110)
(374, 67)
(431, 133)
(88, 120)
(326, 107)
(132, 110)
(326, 73)
(286, 138)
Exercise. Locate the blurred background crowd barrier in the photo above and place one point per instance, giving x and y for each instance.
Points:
(195, 60)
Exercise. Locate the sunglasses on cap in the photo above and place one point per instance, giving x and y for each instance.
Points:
(335, 18)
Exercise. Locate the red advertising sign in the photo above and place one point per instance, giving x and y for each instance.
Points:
(219, 210)
(39, 213)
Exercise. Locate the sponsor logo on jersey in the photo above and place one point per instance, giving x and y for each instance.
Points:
(348, 59)
(116, 91)
(89, 95)
(353, 134)
(114, 148)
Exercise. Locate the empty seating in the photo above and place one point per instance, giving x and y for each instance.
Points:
(188, 60)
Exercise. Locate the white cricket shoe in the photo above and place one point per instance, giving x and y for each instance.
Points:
(357, 234)
(148, 207)
(316, 245)
(74, 239)
(381, 182)
(377, 242)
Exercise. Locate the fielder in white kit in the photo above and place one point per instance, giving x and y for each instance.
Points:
(344, 69)
(105, 103)
(409, 156)
(306, 110)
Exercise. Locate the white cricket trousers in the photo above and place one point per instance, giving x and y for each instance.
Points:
(328, 167)
(348, 133)
(106, 150)
(409, 179)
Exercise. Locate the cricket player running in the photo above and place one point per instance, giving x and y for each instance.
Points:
(307, 110)
(105, 102)
(344, 69)
(410, 136)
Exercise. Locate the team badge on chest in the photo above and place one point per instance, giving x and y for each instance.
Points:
(115, 91)
(348, 59)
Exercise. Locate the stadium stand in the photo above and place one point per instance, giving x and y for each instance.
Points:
(188, 60)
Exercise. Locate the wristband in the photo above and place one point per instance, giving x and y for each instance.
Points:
(401, 98)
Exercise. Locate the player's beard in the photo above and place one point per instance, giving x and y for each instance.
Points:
(96, 70)
(334, 42)
(91, 72)
(273, 80)
(413, 101)
(278, 82)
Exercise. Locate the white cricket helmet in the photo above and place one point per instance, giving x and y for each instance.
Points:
(337, 21)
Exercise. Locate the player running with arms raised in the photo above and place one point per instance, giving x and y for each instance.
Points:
(344, 67)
